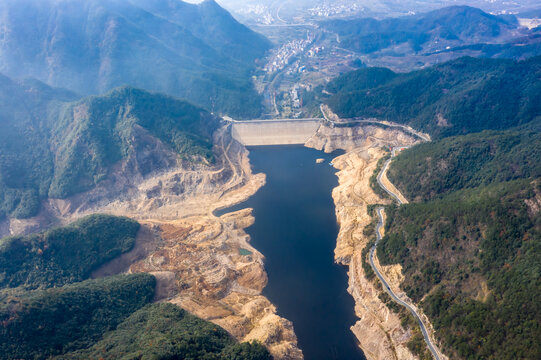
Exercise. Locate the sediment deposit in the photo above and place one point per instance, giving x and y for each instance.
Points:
(206, 264)
(203, 263)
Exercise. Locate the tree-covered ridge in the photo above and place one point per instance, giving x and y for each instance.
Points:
(96, 132)
(446, 26)
(458, 97)
(473, 259)
(51, 146)
(364, 79)
(432, 169)
(470, 243)
(195, 51)
(164, 331)
(43, 323)
(66, 254)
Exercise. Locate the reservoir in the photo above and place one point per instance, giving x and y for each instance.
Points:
(296, 229)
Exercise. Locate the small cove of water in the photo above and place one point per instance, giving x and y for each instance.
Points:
(296, 230)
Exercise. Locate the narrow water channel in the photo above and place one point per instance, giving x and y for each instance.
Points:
(296, 229)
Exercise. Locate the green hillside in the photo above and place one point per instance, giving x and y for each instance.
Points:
(458, 97)
(470, 244)
(42, 323)
(94, 133)
(433, 169)
(53, 146)
(164, 331)
(66, 254)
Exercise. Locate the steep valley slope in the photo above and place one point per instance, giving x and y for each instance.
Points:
(381, 329)
(469, 242)
(195, 256)
(466, 247)
(206, 264)
(55, 147)
(166, 164)
(195, 51)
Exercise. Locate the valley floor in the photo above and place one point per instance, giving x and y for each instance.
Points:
(203, 263)
(206, 264)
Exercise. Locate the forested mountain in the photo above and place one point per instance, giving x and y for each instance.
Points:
(458, 97)
(51, 146)
(470, 244)
(164, 331)
(450, 26)
(464, 162)
(42, 323)
(64, 255)
(48, 308)
(197, 52)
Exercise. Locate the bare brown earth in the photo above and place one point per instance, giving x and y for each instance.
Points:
(378, 330)
(194, 255)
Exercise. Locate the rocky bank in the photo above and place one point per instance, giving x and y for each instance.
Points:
(203, 263)
(378, 329)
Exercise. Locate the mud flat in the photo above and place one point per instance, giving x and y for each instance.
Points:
(378, 329)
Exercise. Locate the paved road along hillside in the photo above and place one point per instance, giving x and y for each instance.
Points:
(386, 286)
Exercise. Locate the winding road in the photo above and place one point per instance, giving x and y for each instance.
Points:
(386, 286)
(342, 122)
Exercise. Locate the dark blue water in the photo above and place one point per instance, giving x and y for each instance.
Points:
(295, 228)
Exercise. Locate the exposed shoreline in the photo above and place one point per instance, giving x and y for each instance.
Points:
(207, 265)
(378, 330)
(198, 257)
(203, 263)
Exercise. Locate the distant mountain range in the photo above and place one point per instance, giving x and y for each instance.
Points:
(53, 145)
(521, 47)
(197, 52)
(435, 30)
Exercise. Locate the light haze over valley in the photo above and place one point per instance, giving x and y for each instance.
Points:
(259, 179)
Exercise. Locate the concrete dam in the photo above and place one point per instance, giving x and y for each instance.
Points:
(274, 132)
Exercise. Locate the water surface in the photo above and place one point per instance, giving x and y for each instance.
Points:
(295, 228)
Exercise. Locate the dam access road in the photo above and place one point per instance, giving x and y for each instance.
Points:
(380, 211)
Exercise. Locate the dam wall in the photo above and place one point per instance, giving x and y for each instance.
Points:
(274, 132)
